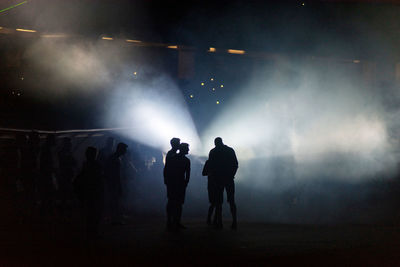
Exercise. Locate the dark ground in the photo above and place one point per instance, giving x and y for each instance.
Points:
(145, 241)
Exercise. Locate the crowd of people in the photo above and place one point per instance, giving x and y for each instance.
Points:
(49, 180)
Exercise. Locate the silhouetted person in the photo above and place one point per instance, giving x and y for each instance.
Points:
(67, 165)
(212, 189)
(30, 171)
(90, 188)
(47, 173)
(113, 181)
(103, 156)
(177, 181)
(106, 151)
(21, 149)
(175, 142)
(223, 166)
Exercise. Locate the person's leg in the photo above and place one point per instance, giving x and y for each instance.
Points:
(181, 200)
(210, 213)
(219, 197)
(230, 192)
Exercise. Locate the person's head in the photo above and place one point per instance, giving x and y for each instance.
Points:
(91, 153)
(121, 149)
(218, 142)
(184, 148)
(67, 143)
(21, 138)
(175, 143)
(110, 142)
(51, 140)
(34, 138)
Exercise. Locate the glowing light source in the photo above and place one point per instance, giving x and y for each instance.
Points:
(217, 102)
(235, 51)
(135, 73)
(133, 41)
(212, 79)
(172, 46)
(107, 38)
(303, 4)
(222, 86)
(212, 49)
(202, 84)
(213, 89)
(53, 35)
(356, 61)
(24, 30)
(191, 96)
(13, 6)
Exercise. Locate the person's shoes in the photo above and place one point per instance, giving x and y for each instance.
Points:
(234, 226)
(118, 223)
(181, 226)
(172, 228)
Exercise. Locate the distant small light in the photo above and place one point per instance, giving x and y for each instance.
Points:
(107, 38)
(133, 41)
(24, 30)
(191, 96)
(212, 49)
(172, 46)
(222, 85)
(212, 79)
(303, 4)
(53, 35)
(19, 94)
(202, 84)
(217, 102)
(13, 92)
(22, 78)
(135, 73)
(356, 61)
(235, 51)
(213, 89)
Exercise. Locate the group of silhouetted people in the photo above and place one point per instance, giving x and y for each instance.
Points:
(220, 168)
(99, 183)
(51, 179)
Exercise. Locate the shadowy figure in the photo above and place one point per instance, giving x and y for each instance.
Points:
(30, 172)
(103, 156)
(212, 189)
(106, 151)
(177, 179)
(113, 182)
(167, 172)
(89, 186)
(67, 165)
(46, 183)
(223, 166)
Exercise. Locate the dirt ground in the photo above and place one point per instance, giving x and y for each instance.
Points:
(145, 242)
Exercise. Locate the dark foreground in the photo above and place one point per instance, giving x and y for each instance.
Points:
(145, 242)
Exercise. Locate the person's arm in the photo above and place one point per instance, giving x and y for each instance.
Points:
(187, 172)
(235, 163)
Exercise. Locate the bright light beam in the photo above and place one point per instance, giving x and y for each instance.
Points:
(13, 6)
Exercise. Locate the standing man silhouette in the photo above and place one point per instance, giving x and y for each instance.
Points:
(223, 166)
(175, 142)
(178, 177)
